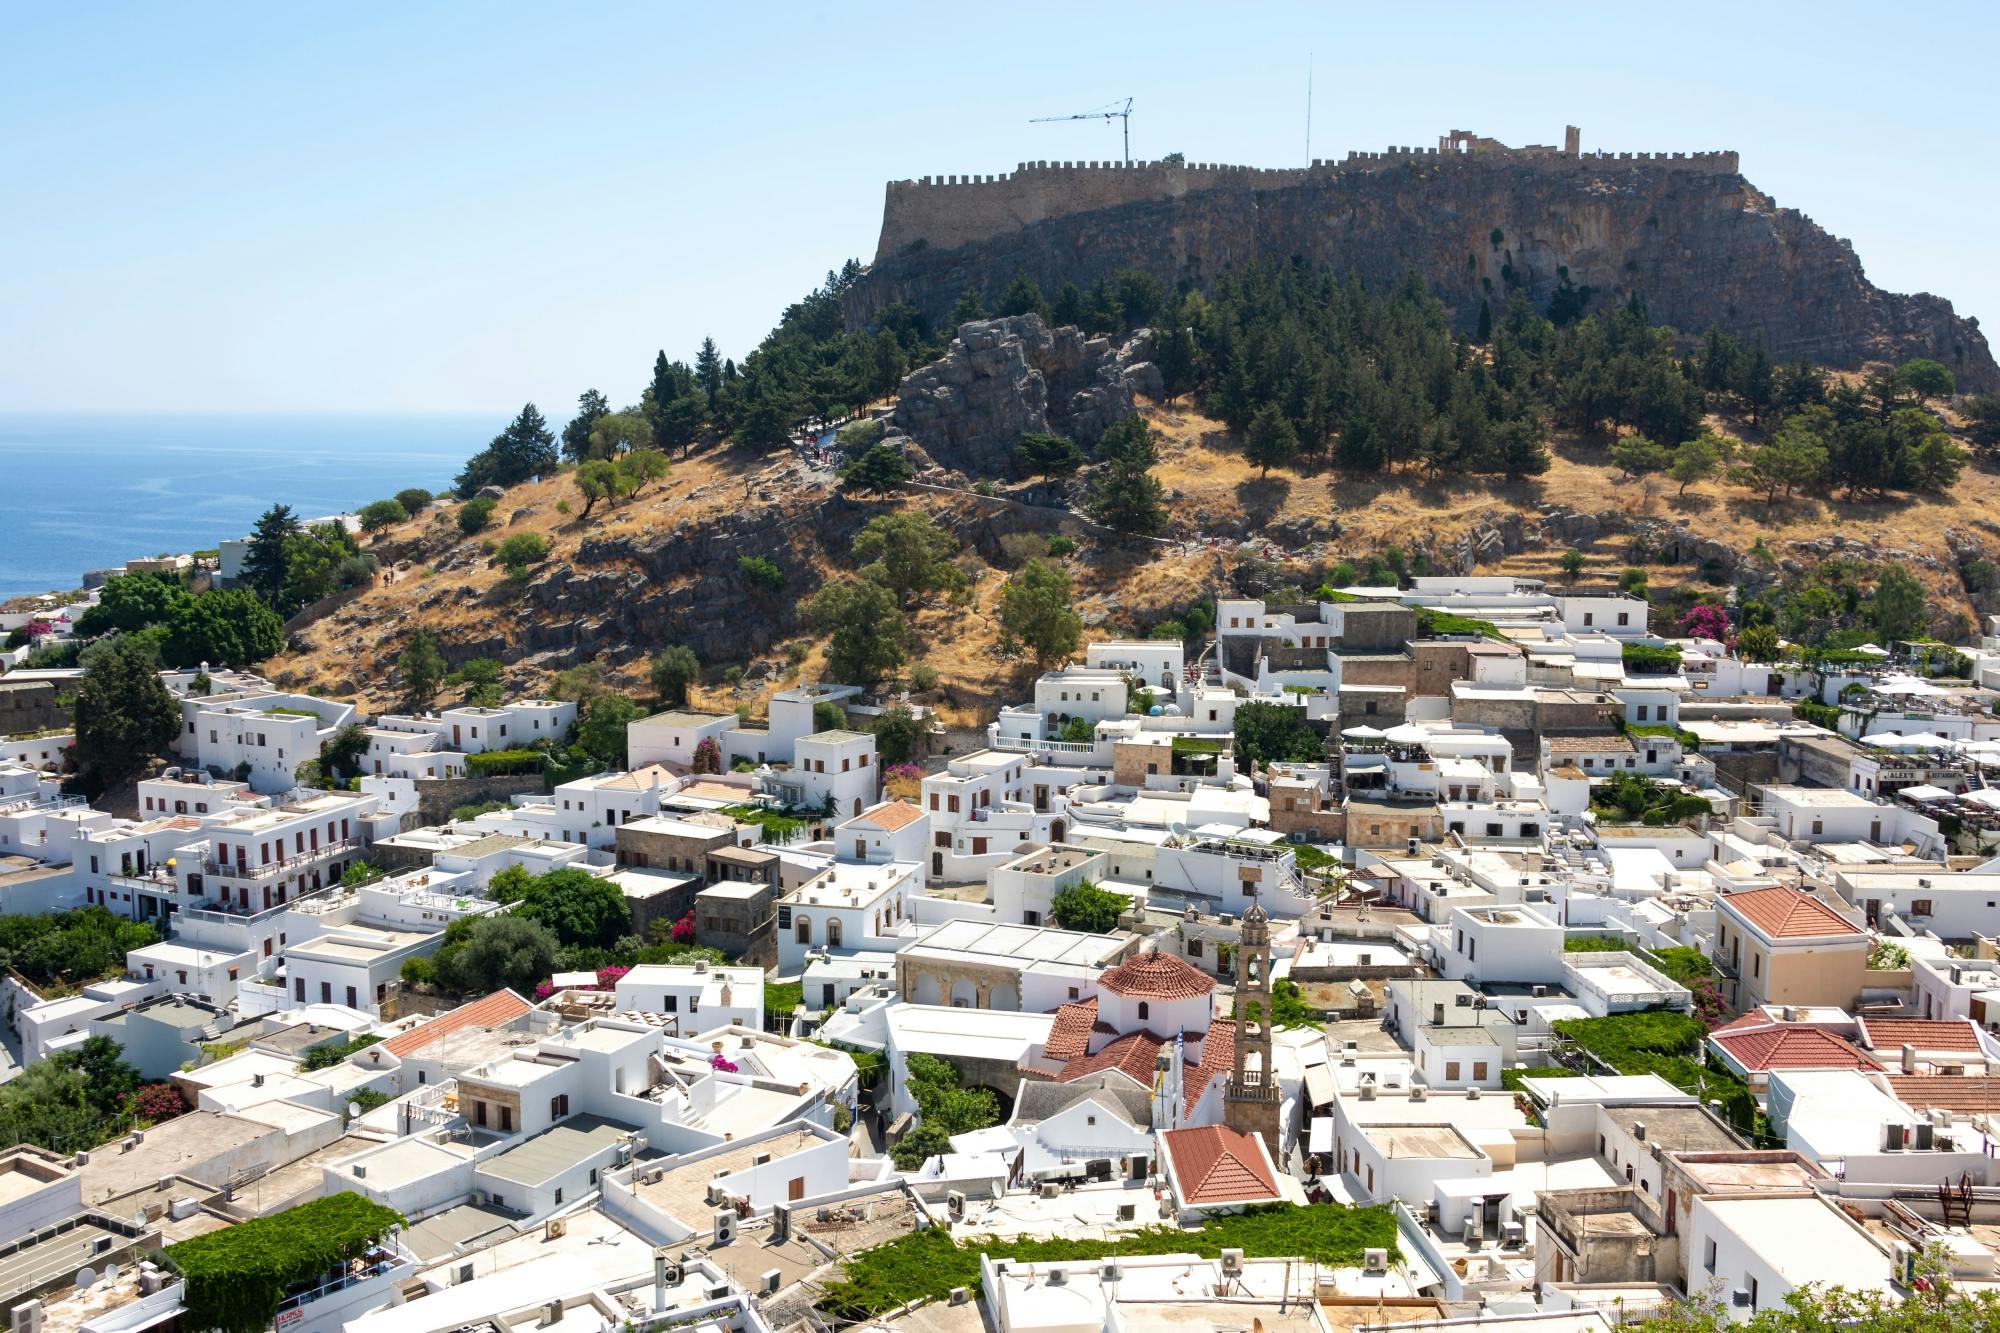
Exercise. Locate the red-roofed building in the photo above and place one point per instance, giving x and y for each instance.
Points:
(1218, 1169)
(1958, 1093)
(1951, 1041)
(1753, 1050)
(1156, 992)
(1135, 1056)
(1780, 946)
(454, 1040)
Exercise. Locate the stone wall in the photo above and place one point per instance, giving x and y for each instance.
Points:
(438, 797)
(945, 212)
(1698, 243)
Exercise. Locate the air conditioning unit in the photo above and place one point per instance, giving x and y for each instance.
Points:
(1539, 992)
(1375, 1260)
(1639, 1130)
(26, 1318)
(1058, 1278)
(1472, 1093)
(781, 1223)
(1367, 1091)
(653, 1175)
(769, 1283)
(1513, 1235)
(555, 1228)
(1050, 1190)
(720, 1293)
(954, 1203)
(1128, 1212)
(715, 1194)
(725, 1225)
(1232, 1259)
(1416, 1092)
(1740, 1297)
(960, 1296)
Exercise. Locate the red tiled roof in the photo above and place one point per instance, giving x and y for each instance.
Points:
(1069, 1036)
(1216, 1164)
(1782, 913)
(892, 815)
(1790, 1046)
(1949, 1092)
(1134, 1056)
(502, 1006)
(1157, 976)
(1891, 1034)
(1218, 1056)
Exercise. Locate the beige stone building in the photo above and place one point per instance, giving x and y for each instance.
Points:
(1780, 946)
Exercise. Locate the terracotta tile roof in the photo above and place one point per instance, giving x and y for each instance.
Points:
(502, 1006)
(1781, 913)
(1216, 1164)
(1157, 976)
(1069, 1036)
(1134, 1056)
(892, 815)
(1949, 1092)
(1790, 1046)
(1892, 1034)
(1218, 1056)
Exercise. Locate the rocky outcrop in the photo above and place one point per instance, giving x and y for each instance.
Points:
(1699, 247)
(1001, 378)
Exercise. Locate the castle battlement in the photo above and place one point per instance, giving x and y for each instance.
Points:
(953, 210)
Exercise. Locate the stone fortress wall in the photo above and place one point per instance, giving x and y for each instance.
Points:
(945, 212)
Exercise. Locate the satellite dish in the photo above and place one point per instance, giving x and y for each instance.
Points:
(353, 1110)
(1179, 830)
(86, 1276)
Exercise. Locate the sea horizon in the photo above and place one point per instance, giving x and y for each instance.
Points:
(91, 490)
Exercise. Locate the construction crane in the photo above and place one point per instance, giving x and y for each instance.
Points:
(1106, 112)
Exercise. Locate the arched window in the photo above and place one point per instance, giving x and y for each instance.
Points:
(1145, 1011)
(805, 930)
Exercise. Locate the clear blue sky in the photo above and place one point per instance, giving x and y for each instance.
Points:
(430, 206)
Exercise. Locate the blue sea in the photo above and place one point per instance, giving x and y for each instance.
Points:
(82, 492)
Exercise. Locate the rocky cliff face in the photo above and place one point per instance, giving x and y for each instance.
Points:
(1700, 248)
(1002, 377)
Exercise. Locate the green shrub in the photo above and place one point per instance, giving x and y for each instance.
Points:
(521, 550)
(1646, 659)
(1061, 545)
(237, 1276)
(857, 435)
(760, 573)
(496, 762)
(414, 500)
(474, 515)
(330, 1053)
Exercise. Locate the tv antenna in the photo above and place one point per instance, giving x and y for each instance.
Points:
(1109, 111)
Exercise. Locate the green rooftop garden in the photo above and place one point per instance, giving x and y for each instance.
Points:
(238, 1276)
(927, 1264)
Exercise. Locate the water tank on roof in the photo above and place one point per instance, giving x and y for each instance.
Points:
(1173, 710)
(1155, 711)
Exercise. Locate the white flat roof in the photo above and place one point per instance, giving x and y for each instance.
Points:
(980, 1033)
(1804, 1239)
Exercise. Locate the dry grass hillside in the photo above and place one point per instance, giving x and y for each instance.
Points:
(1300, 525)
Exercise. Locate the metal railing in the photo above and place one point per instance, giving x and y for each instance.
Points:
(242, 870)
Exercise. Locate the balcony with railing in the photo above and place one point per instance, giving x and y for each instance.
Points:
(305, 860)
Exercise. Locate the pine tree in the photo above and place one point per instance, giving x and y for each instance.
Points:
(1272, 441)
(124, 715)
(264, 557)
(524, 450)
(1023, 297)
(576, 435)
(967, 309)
(422, 667)
(708, 370)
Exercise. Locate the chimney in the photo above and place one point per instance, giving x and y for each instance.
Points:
(1909, 1058)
